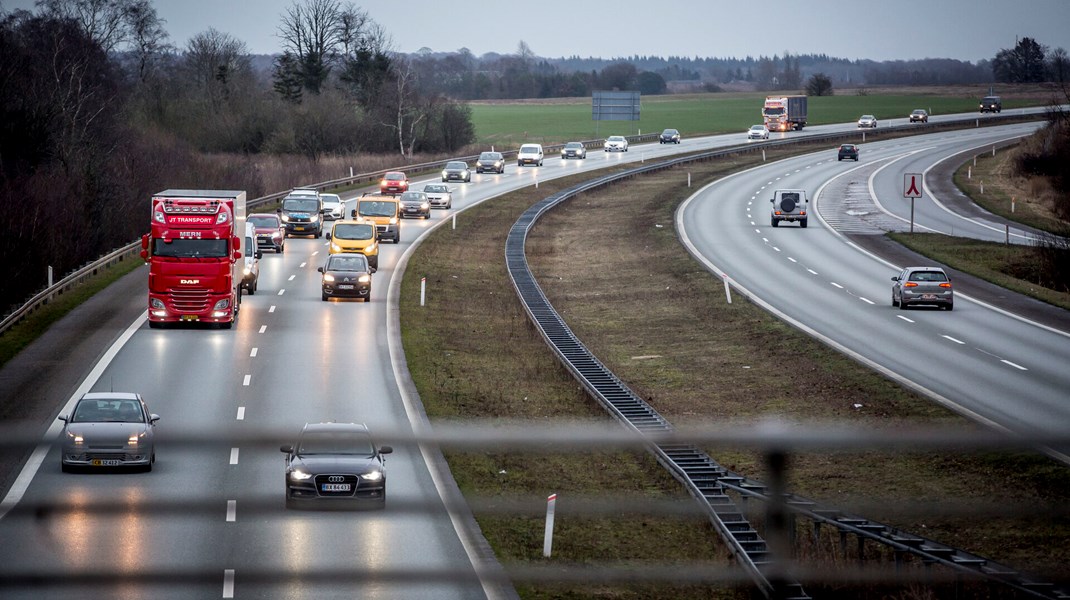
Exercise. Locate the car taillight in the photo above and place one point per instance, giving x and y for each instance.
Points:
(945, 285)
(910, 284)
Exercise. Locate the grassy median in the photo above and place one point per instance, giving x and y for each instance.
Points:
(623, 284)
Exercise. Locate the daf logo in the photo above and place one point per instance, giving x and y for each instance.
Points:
(189, 281)
(336, 479)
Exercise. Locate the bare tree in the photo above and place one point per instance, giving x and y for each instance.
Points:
(216, 63)
(406, 111)
(313, 32)
(148, 39)
(103, 20)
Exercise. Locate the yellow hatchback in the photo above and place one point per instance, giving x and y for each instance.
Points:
(355, 236)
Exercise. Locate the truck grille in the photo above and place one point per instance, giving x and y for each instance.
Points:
(190, 300)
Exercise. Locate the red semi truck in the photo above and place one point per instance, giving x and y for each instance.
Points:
(194, 252)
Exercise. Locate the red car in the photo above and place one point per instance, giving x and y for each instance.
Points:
(270, 232)
(394, 182)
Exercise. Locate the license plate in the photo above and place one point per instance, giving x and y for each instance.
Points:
(191, 318)
(345, 286)
(928, 296)
(299, 228)
(335, 487)
(100, 462)
(411, 209)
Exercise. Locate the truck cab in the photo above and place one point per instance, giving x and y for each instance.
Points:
(789, 205)
(384, 211)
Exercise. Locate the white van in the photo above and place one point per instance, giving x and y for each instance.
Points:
(251, 256)
(529, 154)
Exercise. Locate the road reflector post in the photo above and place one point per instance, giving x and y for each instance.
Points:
(455, 220)
(423, 290)
(350, 171)
(763, 154)
(863, 137)
(993, 150)
(689, 179)
(49, 275)
(536, 182)
(969, 172)
(982, 186)
(548, 536)
(727, 289)
(1012, 212)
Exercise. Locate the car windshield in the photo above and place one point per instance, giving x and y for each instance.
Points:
(757, 127)
(394, 176)
(919, 112)
(413, 197)
(353, 231)
(489, 156)
(669, 132)
(336, 442)
(264, 222)
(292, 204)
(185, 248)
(529, 148)
(347, 263)
(330, 199)
(456, 166)
(575, 145)
(108, 410)
(376, 208)
(616, 138)
(435, 188)
(773, 112)
(867, 117)
(927, 276)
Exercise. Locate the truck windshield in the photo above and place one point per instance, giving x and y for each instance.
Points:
(377, 208)
(182, 248)
(773, 112)
(308, 205)
(354, 232)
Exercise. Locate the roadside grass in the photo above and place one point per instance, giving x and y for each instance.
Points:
(31, 327)
(507, 124)
(622, 283)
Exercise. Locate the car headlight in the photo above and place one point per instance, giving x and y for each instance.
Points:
(247, 270)
(135, 438)
(77, 439)
(335, 247)
(393, 220)
(425, 205)
(370, 248)
(444, 174)
(222, 304)
(364, 278)
(285, 218)
(373, 476)
(328, 277)
(497, 163)
(299, 475)
(314, 218)
(276, 235)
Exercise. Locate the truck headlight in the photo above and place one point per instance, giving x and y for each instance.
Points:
(156, 303)
(222, 304)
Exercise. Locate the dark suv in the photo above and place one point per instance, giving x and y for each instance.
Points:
(669, 136)
(991, 104)
(848, 151)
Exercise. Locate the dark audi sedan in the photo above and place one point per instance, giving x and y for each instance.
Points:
(334, 464)
(346, 275)
(922, 285)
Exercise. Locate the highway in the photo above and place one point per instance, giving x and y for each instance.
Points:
(293, 359)
(977, 360)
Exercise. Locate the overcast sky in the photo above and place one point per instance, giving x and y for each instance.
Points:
(906, 29)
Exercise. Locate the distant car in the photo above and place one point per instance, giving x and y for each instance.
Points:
(922, 285)
(529, 154)
(919, 116)
(456, 171)
(355, 235)
(394, 182)
(991, 104)
(439, 195)
(848, 151)
(415, 204)
(669, 136)
(574, 150)
(332, 206)
(335, 463)
(490, 162)
(758, 132)
(347, 275)
(108, 429)
(270, 232)
(615, 143)
(868, 121)
(251, 256)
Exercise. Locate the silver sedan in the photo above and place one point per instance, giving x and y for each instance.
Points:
(922, 285)
(108, 429)
(439, 195)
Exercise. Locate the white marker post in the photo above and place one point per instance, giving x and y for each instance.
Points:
(727, 289)
(548, 537)
(49, 275)
(423, 290)
(763, 154)
(455, 220)
(688, 179)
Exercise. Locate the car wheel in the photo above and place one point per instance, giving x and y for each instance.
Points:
(774, 222)
(902, 304)
(802, 223)
(251, 289)
(65, 468)
(895, 303)
(949, 307)
(839, 158)
(323, 296)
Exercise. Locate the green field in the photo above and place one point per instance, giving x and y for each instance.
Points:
(508, 124)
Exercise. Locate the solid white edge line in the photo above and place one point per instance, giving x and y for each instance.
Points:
(29, 470)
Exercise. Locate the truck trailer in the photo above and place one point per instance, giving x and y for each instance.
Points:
(782, 113)
(194, 252)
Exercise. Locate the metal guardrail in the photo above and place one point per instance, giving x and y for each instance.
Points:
(704, 478)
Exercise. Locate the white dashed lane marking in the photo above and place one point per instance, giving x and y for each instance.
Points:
(948, 337)
(252, 353)
(228, 583)
(248, 378)
(241, 413)
(232, 511)
(233, 456)
(263, 328)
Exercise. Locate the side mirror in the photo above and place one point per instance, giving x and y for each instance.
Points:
(287, 448)
(145, 242)
(895, 278)
(153, 418)
(772, 199)
(353, 213)
(385, 450)
(328, 236)
(62, 418)
(237, 255)
(278, 210)
(320, 269)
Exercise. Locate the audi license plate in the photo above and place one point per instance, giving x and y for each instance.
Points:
(102, 462)
(335, 487)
